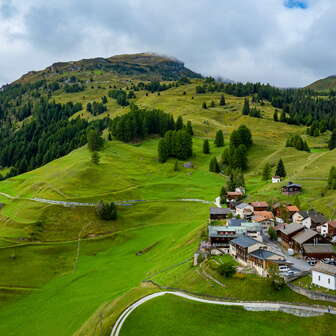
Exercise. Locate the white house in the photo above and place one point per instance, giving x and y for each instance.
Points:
(244, 210)
(276, 179)
(324, 275)
(323, 229)
(310, 219)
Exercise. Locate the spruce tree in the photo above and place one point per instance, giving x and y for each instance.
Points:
(179, 123)
(206, 146)
(95, 141)
(204, 105)
(212, 104)
(275, 116)
(222, 195)
(246, 107)
(214, 166)
(222, 100)
(219, 140)
(267, 172)
(189, 128)
(163, 151)
(280, 170)
(332, 140)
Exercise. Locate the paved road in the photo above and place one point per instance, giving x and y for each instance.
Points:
(260, 306)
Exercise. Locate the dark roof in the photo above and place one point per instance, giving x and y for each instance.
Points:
(316, 217)
(304, 236)
(261, 254)
(292, 185)
(245, 241)
(220, 211)
(236, 222)
(318, 248)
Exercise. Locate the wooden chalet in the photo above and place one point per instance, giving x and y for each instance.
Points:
(288, 232)
(259, 206)
(291, 189)
(319, 251)
(219, 213)
(240, 247)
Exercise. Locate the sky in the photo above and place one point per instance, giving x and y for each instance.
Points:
(287, 43)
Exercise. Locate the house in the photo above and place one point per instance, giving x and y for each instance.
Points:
(306, 236)
(276, 179)
(331, 228)
(233, 196)
(288, 232)
(259, 206)
(219, 213)
(323, 229)
(318, 251)
(292, 209)
(310, 219)
(291, 189)
(324, 275)
(244, 210)
(265, 218)
(240, 248)
(262, 259)
(220, 236)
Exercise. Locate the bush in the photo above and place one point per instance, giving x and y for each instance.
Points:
(106, 211)
(227, 270)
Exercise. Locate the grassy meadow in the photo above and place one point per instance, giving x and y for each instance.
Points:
(170, 315)
(67, 268)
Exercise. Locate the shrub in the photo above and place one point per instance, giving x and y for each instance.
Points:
(227, 270)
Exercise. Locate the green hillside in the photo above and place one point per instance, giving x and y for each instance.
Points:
(66, 266)
(324, 84)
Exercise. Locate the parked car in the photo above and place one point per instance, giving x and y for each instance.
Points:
(283, 269)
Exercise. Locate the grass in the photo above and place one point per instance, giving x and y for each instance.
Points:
(306, 282)
(170, 315)
(108, 270)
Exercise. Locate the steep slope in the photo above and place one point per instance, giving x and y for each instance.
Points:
(323, 84)
(145, 66)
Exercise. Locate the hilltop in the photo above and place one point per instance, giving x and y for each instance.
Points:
(327, 83)
(145, 66)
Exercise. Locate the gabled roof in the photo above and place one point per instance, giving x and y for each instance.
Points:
(220, 211)
(316, 217)
(265, 214)
(235, 222)
(291, 228)
(259, 204)
(325, 268)
(318, 248)
(234, 193)
(242, 205)
(292, 208)
(244, 241)
(304, 236)
(263, 254)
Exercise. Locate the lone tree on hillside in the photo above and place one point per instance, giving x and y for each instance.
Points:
(267, 172)
(204, 105)
(106, 211)
(222, 100)
(95, 141)
(219, 140)
(280, 170)
(214, 166)
(332, 140)
(95, 158)
(206, 146)
(246, 107)
(275, 116)
(163, 150)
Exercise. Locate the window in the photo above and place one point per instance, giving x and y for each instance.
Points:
(319, 278)
(328, 280)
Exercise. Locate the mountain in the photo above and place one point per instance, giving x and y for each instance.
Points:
(323, 84)
(145, 66)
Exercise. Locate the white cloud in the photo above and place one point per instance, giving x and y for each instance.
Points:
(243, 40)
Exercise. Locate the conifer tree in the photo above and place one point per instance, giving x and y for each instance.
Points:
(219, 140)
(206, 146)
(267, 171)
(212, 104)
(95, 159)
(332, 178)
(222, 100)
(95, 141)
(246, 107)
(163, 151)
(176, 166)
(214, 166)
(332, 140)
(280, 170)
(189, 128)
(275, 116)
(204, 105)
(222, 195)
(179, 123)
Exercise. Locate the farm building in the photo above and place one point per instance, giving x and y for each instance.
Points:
(324, 275)
(291, 189)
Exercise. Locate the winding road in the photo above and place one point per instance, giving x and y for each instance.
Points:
(257, 306)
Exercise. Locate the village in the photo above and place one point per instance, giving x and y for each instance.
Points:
(280, 236)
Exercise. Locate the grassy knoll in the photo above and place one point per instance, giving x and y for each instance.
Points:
(106, 268)
(169, 315)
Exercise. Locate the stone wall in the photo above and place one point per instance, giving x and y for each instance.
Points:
(312, 294)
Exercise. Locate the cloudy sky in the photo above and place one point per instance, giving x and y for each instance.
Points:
(283, 42)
